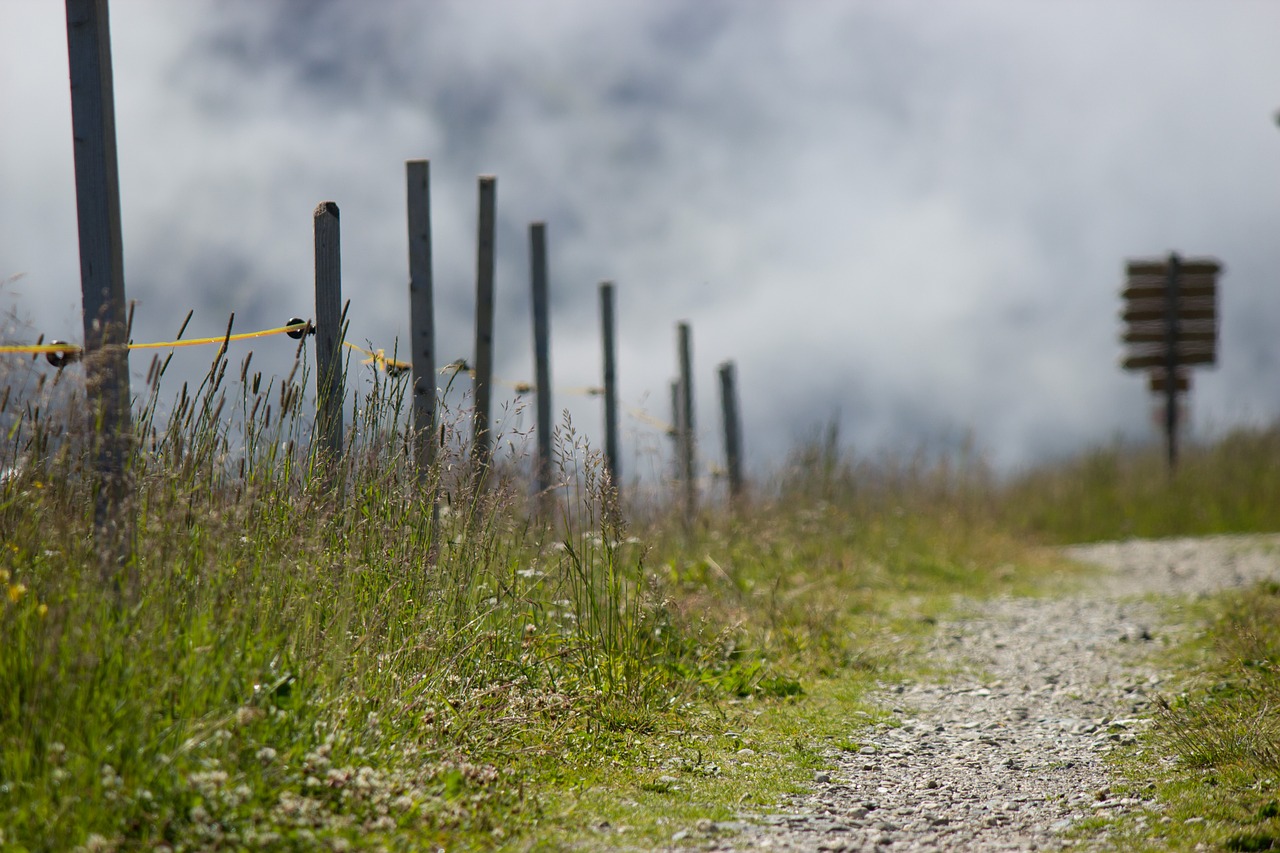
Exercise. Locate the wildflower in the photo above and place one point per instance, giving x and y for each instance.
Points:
(16, 591)
(42, 610)
(246, 714)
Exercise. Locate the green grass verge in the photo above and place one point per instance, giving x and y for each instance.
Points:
(1211, 761)
(1231, 485)
(298, 657)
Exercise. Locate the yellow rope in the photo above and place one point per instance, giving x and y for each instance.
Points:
(40, 348)
(243, 336)
(380, 360)
(190, 342)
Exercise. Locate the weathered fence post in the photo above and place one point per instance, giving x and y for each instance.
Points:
(732, 431)
(541, 363)
(676, 429)
(93, 131)
(422, 324)
(607, 328)
(685, 427)
(483, 385)
(329, 334)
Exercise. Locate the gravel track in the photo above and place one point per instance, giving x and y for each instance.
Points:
(1008, 754)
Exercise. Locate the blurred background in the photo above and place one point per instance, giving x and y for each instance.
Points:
(909, 217)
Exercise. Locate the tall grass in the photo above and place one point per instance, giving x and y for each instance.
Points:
(1231, 485)
(299, 662)
(316, 656)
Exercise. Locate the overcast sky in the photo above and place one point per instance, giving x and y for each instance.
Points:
(912, 216)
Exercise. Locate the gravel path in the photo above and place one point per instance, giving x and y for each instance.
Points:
(1007, 755)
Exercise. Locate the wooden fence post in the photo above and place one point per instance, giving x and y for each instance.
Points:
(541, 362)
(676, 429)
(93, 131)
(685, 425)
(732, 430)
(329, 334)
(608, 327)
(422, 324)
(483, 385)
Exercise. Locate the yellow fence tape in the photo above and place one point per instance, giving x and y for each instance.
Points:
(60, 354)
(71, 352)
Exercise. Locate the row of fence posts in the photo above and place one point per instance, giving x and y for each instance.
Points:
(330, 331)
(105, 323)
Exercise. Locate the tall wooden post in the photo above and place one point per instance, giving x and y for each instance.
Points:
(93, 131)
(329, 334)
(541, 360)
(482, 440)
(685, 424)
(607, 330)
(732, 430)
(1171, 335)
(422, 324)
(676, 429)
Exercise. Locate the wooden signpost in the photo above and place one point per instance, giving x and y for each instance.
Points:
(1171, 324)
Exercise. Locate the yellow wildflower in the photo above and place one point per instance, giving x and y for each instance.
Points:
(42, 610)
(16, 591)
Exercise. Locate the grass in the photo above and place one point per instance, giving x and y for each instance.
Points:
(1212, 758)
(1231, 485)
(303, 659)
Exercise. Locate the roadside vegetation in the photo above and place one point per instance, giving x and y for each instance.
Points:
(304, 659)
(1231, 485)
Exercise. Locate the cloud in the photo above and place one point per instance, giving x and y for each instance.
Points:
(912, 214)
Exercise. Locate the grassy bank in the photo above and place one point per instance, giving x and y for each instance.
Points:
(302, 658)
(1211, 761)
(1231, 485)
